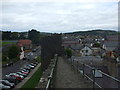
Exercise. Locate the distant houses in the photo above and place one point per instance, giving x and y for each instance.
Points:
(86, 47)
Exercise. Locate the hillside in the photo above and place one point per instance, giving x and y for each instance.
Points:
(99, 32)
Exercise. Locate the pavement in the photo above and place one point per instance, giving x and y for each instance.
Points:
(67, 77)
(19, 85)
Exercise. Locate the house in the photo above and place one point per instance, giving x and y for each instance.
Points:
(74, 44)
(98, 49)
(111, 43)
(86, 51)
(22, 55)
(27, 44)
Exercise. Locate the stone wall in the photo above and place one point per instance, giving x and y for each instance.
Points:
(49, 46)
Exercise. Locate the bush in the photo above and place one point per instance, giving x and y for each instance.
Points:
(96, 45)
(68, 52)
(4, 57)
(38, 59)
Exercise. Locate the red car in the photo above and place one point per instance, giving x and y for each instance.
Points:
(24, 72)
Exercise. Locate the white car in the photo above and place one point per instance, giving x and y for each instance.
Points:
(6, 82)
(2, 86)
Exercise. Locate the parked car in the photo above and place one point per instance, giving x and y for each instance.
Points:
(34, 64)
(34, 50)
(15, 74)
(6, 82)
(4, 87)
(20, 73)
(17, 77)
(24, 58)
(28, 68)
(31, 66)
(25, 71)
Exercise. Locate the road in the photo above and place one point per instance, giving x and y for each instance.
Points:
(19, 64)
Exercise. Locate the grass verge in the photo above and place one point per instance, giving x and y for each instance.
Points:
(33, 81)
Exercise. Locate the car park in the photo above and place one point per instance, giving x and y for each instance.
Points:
(6, 82)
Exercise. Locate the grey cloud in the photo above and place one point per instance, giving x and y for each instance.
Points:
(59, 17)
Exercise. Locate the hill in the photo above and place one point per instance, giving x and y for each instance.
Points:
(98, 32)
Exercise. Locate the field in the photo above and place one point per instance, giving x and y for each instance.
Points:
(8, 42)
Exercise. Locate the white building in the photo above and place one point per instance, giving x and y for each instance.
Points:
(86, 51)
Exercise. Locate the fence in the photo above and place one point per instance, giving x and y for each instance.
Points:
(96, 76)
(52, 74)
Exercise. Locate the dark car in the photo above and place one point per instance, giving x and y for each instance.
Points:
(34, 50)
(12, 79)
(33, 64)
(27, 68)
(24, 58)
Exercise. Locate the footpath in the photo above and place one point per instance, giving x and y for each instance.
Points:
(67, 77)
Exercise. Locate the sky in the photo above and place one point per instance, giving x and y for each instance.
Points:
(58, 16)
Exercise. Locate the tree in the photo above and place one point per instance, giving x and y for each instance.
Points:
(34, 36)
(13, 52)
(6, 35)
(15, 35)
(96, 45)
(23, 35)
(68, 52)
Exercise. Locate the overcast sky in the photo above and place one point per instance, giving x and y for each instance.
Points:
(59, 15)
